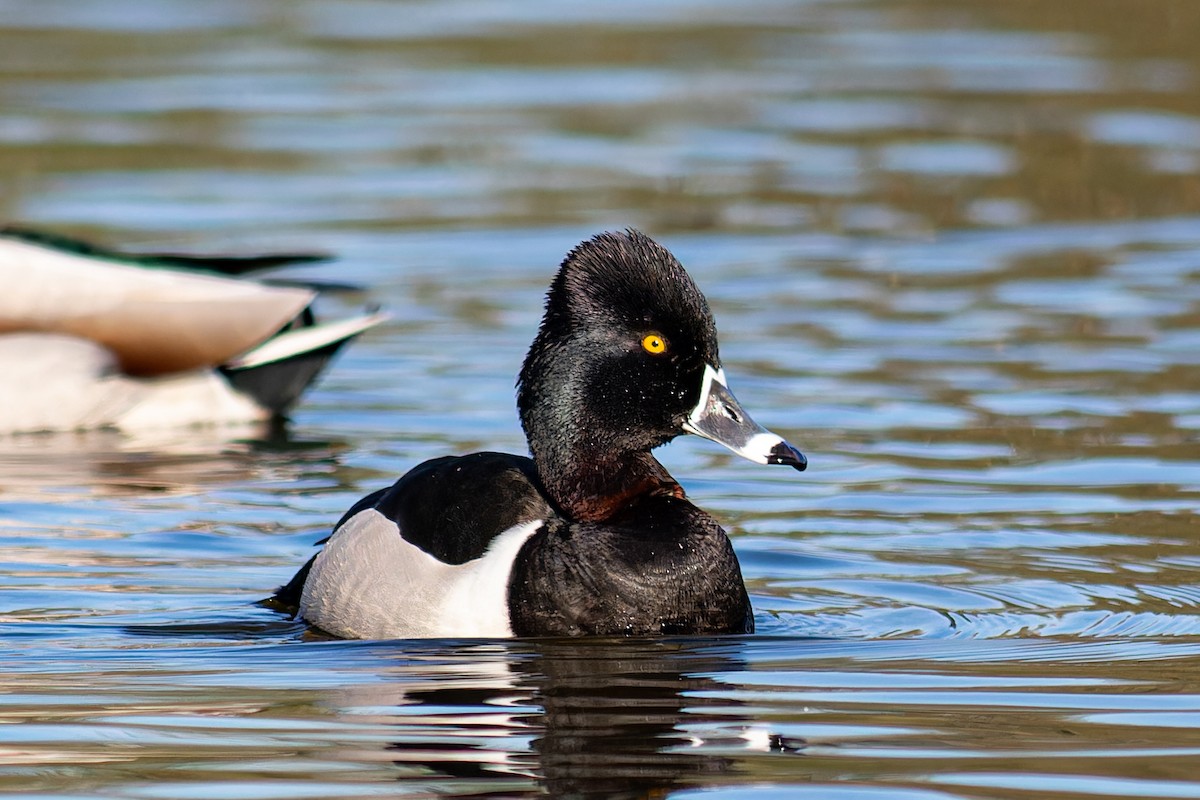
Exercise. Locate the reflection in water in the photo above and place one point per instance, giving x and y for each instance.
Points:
(610, 722)
(107, 462)
(596, 718)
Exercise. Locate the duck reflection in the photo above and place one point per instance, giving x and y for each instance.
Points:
(114, 463)
(578, 718)
(612, 716)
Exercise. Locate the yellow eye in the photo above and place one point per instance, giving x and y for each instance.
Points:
(654, 344)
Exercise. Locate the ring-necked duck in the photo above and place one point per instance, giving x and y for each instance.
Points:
(96, 338)
(589, 536)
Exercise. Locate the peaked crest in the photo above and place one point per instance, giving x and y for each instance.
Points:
(626, 278)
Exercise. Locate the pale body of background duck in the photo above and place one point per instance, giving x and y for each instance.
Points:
(93, 338)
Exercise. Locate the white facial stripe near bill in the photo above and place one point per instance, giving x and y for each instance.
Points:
(710, 375)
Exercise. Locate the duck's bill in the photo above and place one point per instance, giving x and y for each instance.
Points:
(719, 416)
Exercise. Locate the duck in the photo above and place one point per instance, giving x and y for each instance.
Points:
(96, 338)
(588, 535)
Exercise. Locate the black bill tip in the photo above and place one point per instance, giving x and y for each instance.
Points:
(784, 453)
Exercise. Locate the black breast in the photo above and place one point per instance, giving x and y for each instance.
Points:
(662, 566)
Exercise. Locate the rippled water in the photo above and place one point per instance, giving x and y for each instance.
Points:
(954, 253)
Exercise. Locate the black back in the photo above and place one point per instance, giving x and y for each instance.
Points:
(452, 507)
(277, 385)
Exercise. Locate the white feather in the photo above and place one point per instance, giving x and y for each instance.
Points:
(194, 398)
(51, 382)
(304, 340)
(369, 583)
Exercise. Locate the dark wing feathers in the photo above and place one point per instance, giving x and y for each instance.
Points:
(226, 265)
(450, 507)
